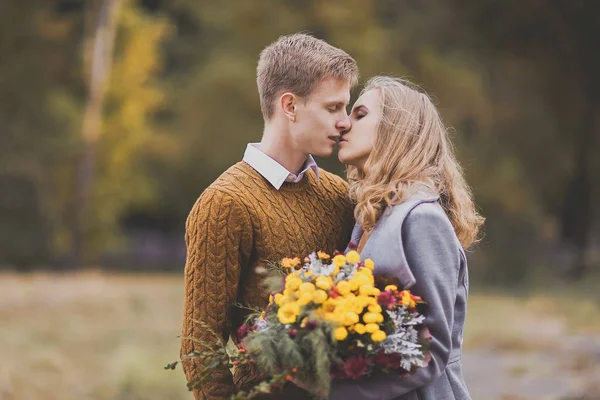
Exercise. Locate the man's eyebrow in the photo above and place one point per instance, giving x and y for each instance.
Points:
(336, 103)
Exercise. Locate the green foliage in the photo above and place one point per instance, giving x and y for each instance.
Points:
(319, 340)
(182, 103)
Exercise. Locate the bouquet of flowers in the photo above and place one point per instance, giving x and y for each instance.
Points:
(329, 320)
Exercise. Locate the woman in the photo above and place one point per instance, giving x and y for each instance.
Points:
(415, 216)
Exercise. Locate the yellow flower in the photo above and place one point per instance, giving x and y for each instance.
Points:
(378, 336)
(340, 310)
(375, 292)
(319, 296)
(391, 287)
(354, 283)
(331, 317)
(350, 318)
(323, 255)
(336, 271)
(292, 282)
(364, 277)
(288, 313)
(308, 273)
(340, 333)
(303, 322)
(353, 257)
(349, 295)
(270, 298)
(370, 317)
(305, 298)
(306, 287)
(329, 305)
(363, 301)
(375, 308)
(323, 282)
(339, 260)
(366, 290)
(359, 328)
(353, 304)
(343, 287)
(277, 298)
(369, 264)
(407, 300)
(262, 315)
(284, 300)
(290, 262)
(370, 328)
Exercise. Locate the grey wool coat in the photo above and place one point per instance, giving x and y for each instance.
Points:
(416, 242)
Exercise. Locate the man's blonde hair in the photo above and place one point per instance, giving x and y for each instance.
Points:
(412, 149)
(297, 63)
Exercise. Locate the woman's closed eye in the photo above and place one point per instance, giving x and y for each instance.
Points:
(360, 112)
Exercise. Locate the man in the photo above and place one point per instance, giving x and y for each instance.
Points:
(275, 203)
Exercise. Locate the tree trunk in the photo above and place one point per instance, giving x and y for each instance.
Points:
(99, 45)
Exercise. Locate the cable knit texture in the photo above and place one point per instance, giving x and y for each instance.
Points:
(240, 222)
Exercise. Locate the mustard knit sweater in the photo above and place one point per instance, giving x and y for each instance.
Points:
(239, 222)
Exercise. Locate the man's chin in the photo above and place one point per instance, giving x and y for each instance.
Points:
(325, 152)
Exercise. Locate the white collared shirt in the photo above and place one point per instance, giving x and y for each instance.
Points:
(271, 170)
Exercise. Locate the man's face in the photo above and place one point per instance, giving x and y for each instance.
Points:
(321, 118)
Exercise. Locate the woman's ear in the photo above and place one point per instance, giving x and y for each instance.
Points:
(288, 102)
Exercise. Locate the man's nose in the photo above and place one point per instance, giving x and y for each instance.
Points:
(344, 124)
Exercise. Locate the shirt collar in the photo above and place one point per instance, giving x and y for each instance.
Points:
(271, 170)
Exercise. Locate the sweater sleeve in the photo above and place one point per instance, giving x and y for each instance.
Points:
(434, 259)
(219, 241)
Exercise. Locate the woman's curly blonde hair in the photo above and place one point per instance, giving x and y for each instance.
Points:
(411, 150)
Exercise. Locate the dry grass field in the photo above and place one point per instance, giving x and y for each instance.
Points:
(93, 336)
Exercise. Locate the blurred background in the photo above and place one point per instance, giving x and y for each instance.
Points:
(116, 114)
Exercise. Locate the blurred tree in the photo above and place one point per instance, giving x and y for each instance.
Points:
(112, 176)
(515, 82)
(101, 19)
(559, 41)
(35, 138)
(214, 93)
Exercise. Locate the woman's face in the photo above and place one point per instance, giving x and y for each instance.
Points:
(356, 145)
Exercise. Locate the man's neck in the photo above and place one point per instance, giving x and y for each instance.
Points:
(278, 147)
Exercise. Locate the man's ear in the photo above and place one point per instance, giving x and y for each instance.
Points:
(288, 102)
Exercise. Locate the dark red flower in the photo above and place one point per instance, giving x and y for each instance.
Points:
(243, 331)
(355, 367)
(292, 333)
(352, 246)
(311, 324)
(389, 362)
(337, 373)
(386, 299)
